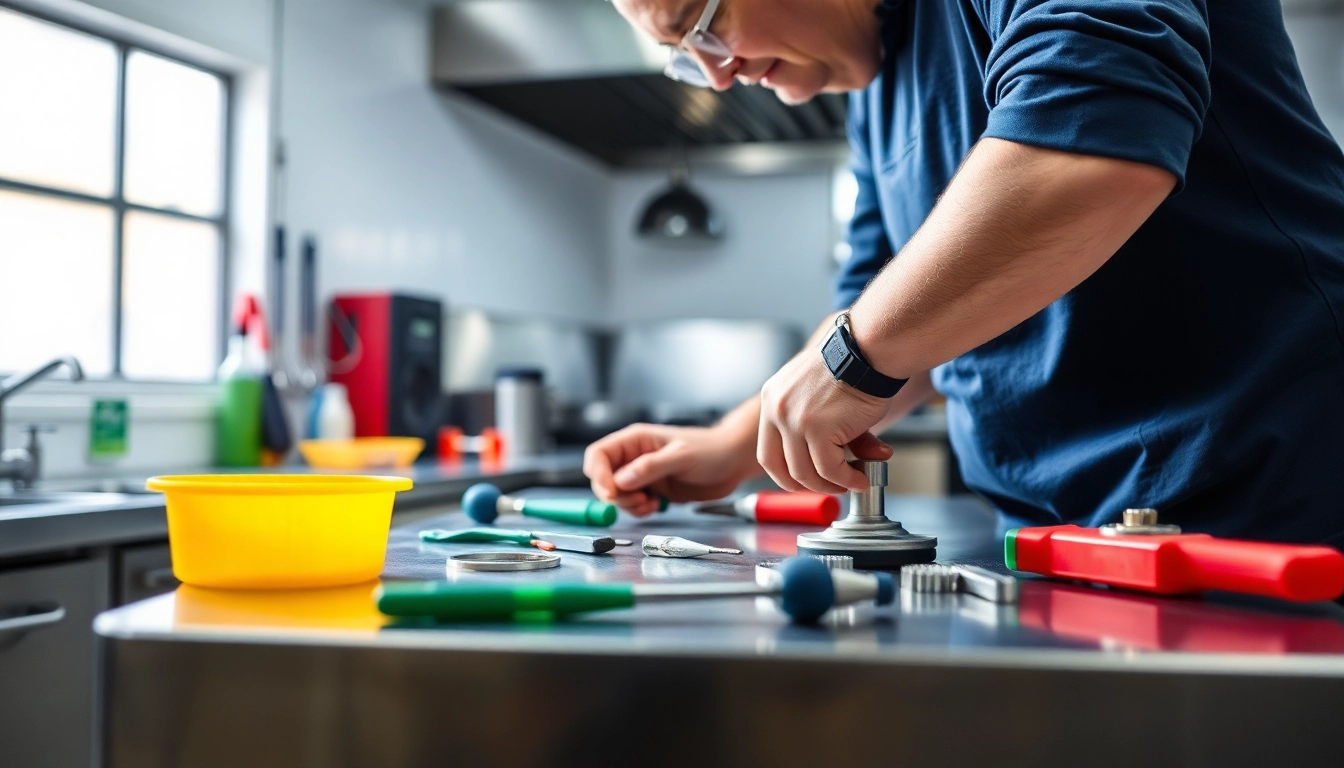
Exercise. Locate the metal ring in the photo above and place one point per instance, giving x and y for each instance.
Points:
(503, 561)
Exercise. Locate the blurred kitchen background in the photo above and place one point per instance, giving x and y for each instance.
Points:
(654, 252)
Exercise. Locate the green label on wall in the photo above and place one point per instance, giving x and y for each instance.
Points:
(108, 425)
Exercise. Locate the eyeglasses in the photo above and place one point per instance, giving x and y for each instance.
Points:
(683, 66)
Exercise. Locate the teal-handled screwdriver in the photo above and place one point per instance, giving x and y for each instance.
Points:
(483, 503)
(806, 589)
(547, 540)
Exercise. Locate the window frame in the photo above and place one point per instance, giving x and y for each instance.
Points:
(117, 201)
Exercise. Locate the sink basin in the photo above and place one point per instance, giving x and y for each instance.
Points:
(107, 486)
(26, 498)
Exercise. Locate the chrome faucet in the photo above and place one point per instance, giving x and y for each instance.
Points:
(24, 465)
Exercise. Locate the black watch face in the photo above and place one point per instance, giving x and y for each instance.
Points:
(835, 353)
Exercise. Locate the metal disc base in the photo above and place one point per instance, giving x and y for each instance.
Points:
(872, 551)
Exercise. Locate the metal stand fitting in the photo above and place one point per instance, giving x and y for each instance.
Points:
(874, 541)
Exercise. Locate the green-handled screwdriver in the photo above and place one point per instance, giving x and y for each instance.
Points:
(547, 540)
(806, 589)
(483, 503)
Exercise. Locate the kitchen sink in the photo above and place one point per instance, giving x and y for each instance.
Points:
(109, 486)
(26, 498)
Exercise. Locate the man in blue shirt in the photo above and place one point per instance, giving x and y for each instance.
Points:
(1110, 233)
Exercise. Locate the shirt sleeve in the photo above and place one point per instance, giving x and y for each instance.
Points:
(866, 234)
(1127, 79)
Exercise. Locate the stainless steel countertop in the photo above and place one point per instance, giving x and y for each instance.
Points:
(1056, 625)
(89, 518)
(1070, 676)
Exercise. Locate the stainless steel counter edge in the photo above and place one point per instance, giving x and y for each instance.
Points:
(40, 528)
(1166, 662)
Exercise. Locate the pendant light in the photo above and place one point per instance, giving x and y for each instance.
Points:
(679, 215)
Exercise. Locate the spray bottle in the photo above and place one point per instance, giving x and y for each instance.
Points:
(238, 424)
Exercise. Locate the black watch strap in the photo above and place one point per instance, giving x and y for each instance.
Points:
(847, 364)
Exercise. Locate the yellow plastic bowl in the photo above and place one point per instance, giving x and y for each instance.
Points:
(277, 531)
(362, 452)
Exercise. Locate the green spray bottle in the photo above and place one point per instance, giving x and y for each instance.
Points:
(238, 413)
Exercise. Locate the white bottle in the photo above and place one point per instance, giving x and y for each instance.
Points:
(335, 419)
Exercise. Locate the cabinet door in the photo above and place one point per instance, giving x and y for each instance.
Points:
(48, 662)
(146, 571)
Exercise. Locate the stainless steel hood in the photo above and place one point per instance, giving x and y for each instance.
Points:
(578, 71)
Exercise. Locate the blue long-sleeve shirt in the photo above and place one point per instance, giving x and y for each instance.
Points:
(1201, 369)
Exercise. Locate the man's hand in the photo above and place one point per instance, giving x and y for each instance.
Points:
(636, 466)
(808, 419)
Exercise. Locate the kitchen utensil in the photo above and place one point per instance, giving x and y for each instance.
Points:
(275, 362)
(572, 542)
(277, 531)
(1140, 554)
(308, 377)
(483, 503)
(502, 561)
(362, 452)
(275, 433)
(806, 589)
(675, 546)
(798, 508)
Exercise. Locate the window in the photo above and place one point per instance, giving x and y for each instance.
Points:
(844, 196)
(113, 213)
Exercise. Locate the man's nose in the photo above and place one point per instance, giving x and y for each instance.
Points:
(719, 73)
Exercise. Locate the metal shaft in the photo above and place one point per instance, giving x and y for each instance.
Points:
(662, 593)
(869, 505)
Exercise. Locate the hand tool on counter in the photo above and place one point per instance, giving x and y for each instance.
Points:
(503, 561)
(970, 579)
(675, 546)
(806, 589)
(453, 444)
(1139, 553)
(483, 503)
(800, 508)
(867, 534)
(571, 542)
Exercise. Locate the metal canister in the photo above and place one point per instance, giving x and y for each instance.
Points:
(520, 411)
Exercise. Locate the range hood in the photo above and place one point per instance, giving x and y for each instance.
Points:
(576, 70)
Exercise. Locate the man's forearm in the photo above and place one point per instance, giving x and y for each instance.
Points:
(1017, 228)
(743, 419)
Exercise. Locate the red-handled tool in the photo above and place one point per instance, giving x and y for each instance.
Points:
(800, 508)
(1140, 554)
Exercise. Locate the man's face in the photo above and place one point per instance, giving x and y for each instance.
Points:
(797, 48)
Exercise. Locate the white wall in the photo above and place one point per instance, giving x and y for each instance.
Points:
(773, 263)
(414, 190)
(406, 189)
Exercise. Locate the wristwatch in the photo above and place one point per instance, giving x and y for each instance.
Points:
(847, 364)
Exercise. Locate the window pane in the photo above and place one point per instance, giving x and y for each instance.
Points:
(170, 298)
(174, 127)
(58, 104)
(55, 282)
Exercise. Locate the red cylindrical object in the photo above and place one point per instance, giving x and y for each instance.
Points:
(450, 443)
(1179, 563)
(800, 508)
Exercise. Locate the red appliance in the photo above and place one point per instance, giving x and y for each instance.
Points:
(387, 349)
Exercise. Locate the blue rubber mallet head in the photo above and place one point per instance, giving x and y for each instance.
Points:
(806, 589)
(479, 502)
